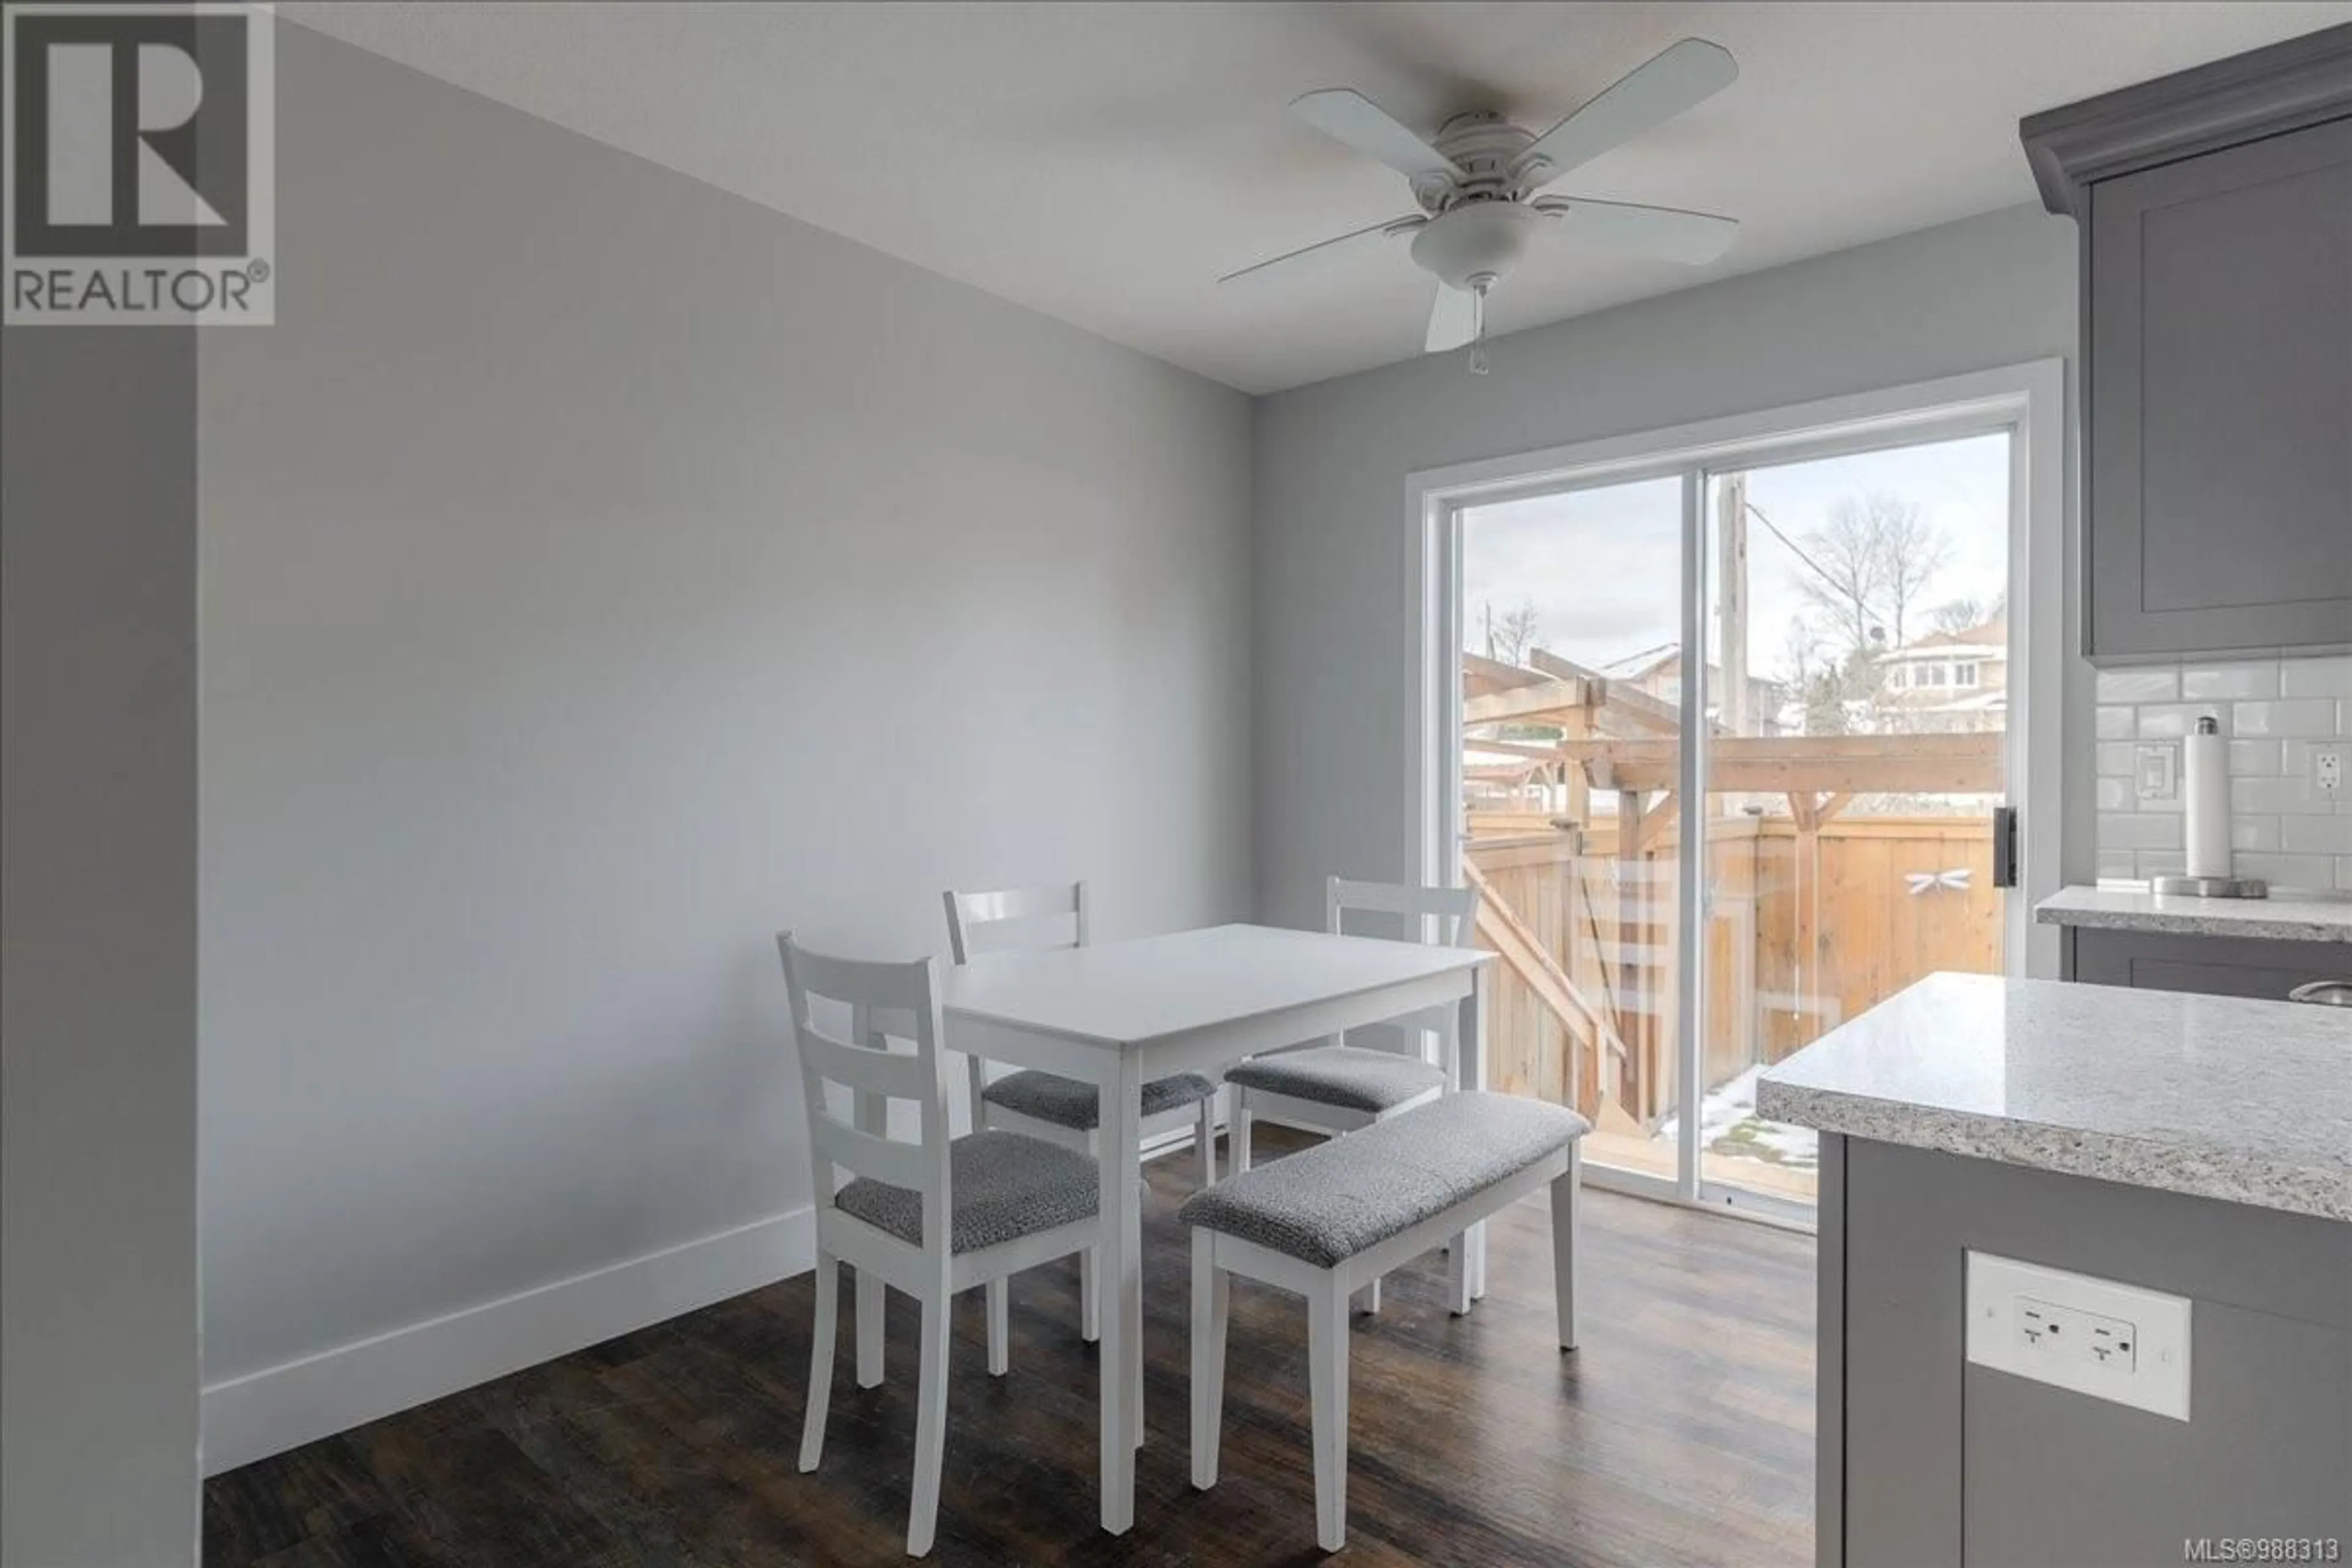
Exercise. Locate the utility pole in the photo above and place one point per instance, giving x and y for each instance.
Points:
(1731, 577)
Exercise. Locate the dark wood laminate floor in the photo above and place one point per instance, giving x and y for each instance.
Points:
(1681, 1433)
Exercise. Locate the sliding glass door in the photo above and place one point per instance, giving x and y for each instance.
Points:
(1857, 710)
(1728, 756)
(1571, 681)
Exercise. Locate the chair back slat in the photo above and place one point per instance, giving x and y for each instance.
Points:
(1011, 920)
(861, 983)
(869, 1070)
(1023, 918)
(1454, 908)
(885, 1001)
(870, 1155)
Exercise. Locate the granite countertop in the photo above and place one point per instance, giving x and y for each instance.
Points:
(2287, 918)
(2217, 1097)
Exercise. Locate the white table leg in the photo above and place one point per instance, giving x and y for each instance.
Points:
(1119, 1277)
(1472, 1067)
(1130, 1159)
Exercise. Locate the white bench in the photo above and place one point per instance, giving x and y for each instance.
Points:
(1326, 1221)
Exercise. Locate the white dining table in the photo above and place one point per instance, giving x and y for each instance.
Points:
(1120, 1014)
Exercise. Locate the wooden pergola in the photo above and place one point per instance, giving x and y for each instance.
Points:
(1616, 738)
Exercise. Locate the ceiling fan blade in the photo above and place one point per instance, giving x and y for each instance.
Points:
(1679, 78)
(1346, 115)
(1323, 249)
(1669, 232)
(1454, 319)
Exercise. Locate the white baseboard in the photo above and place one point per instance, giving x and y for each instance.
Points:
(280, 1407)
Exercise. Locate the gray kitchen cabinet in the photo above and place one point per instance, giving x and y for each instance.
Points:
(2216, 217)
(2219, 441)
(1929, 1460)
(2210, 965)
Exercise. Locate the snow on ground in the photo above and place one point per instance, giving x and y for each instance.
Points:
(1729, 1126)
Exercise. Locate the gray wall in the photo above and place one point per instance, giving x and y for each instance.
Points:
(599, 573)
(1334, 629)
(98, 948)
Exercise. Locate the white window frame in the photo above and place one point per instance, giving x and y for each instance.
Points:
(2028, 401)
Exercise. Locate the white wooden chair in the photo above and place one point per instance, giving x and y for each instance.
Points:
(1042, 1104)
(932, 1217)
(1335, 1088)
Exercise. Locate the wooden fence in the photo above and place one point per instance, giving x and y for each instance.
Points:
(1806, 929)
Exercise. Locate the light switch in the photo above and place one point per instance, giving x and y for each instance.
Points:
(2155, 770)
(2098, 1337)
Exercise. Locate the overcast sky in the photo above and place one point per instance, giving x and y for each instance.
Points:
(1602, 566)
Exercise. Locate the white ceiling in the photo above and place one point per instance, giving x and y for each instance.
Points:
(1104, 163)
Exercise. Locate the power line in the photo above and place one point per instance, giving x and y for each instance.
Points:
(1840, 589)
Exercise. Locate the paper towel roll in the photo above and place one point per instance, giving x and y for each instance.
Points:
(2205, 800)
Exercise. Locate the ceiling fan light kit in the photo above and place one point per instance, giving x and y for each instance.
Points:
(1475, 185)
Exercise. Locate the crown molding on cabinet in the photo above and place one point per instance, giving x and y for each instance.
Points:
(2284, 87)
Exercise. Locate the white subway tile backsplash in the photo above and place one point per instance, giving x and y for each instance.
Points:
(2255, 832)
(2316, 677)
(2139, 685)
(2170, 720)
(2288, 870)
(2140, 830)
(2250, 759)
(2276, 713)
(2316, 835)
(2289, 716)
(2287, 797)
(2202, 682)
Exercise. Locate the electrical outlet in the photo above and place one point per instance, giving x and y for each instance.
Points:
(2098, 1337)
(2326, 769)
(2048, 1329)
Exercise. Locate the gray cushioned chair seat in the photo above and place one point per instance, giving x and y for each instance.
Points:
(1329, 1203)
(1346, 1076)
(1066, 1102)
(1006, 1186)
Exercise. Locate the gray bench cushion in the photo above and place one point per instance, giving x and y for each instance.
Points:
(1345, 1075)
(1066, 1102)
(1326, 1203)
(1006, 1186)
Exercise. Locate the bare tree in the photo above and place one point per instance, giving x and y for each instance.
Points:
(1913, 549)
(1957, 615)
(1871, 562)
(1800, 653)
(1511, 635)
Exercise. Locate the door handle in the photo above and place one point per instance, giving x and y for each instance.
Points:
(2004, 846)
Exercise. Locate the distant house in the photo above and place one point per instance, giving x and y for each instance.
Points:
(1948, 682)
(1658, 672)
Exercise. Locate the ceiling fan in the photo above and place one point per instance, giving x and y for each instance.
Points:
(1476, 185)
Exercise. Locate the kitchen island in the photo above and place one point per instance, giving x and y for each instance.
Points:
(2187, 1156)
